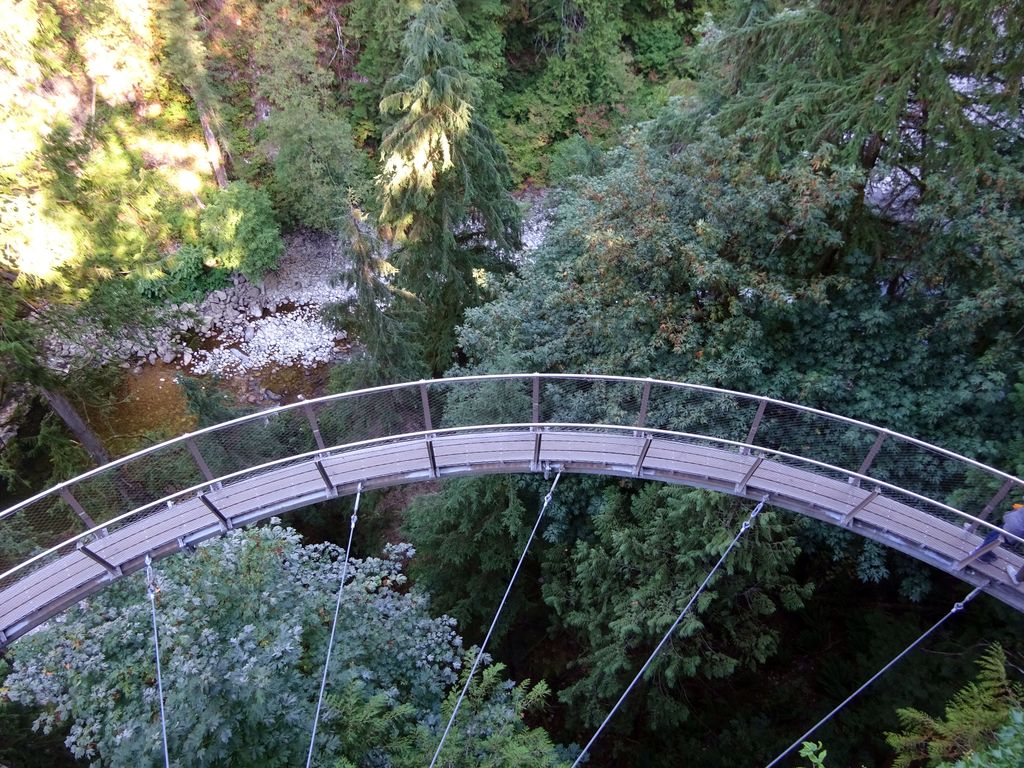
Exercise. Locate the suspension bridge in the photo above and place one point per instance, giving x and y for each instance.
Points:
(72, 540)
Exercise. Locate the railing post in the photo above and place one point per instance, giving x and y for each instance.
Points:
(849, 516)
(72, 502)
(1001, 494)
(190, 443)
(314, 425)
(113, 570)
(645, 399)
(755, 425)
(428, 424)
(535, 463)
(639, 466)
(225, 521)
(870, 458)
(741, 486)
(332, 489)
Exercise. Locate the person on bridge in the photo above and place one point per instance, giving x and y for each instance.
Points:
(1013, 522)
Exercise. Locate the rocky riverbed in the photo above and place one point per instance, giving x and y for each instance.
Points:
(240, 328)
(245, 328)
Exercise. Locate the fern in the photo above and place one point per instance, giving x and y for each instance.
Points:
(972, 718)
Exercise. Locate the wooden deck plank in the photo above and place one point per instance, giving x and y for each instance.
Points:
(399, 461)
(48, 583)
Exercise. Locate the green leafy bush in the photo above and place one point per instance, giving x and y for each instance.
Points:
(238, 226)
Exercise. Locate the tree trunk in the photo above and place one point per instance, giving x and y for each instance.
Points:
(82, 431)
(213, 151)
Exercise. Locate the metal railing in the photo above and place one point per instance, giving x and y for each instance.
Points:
(941, 483)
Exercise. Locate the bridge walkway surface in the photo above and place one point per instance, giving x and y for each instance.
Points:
(175, 495)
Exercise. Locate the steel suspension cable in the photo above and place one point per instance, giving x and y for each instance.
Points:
(151, 593)
(957, 607)
(334, 624)
(650, 659)
(494, 621)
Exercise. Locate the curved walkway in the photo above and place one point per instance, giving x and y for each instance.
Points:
(905, 494)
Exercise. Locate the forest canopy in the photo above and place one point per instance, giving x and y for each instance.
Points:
(816, 201)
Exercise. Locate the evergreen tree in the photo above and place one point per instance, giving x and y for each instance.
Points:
(444, 181)
(318, 175)
(239, 228)
(184, 55)
(659, 543)
(921, 87)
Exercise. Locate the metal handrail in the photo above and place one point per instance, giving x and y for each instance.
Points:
(510, 427)
(181, 439)
(420, 390)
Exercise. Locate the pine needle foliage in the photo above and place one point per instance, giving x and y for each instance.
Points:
(972, 718)
(618, 592)
(918, 84)
(443, 187)
(475, 742)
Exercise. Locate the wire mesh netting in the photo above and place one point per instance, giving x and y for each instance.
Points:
(477, 403)
(41, 524)
(386, 412)
(370, 415)
(273, 435)
(930, 473)
(697, 411)
(814, 436)
(590, 401)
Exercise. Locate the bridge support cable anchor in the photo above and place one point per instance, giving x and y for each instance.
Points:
(494, 621)
(957, 607)
(334, 624)
(151, 594)
(671, 630)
